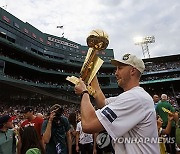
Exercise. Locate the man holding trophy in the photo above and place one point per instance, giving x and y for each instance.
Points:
(129, 118)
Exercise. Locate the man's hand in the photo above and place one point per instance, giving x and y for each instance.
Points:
(176, 116)
(95, 83)
(77, 148)
(52, 115)
(170, 116)
(159, 122)
(80, 87)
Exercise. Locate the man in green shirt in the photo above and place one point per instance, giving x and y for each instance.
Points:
(7, 139)
(164, 116)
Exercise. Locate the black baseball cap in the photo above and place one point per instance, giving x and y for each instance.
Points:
(6, 118)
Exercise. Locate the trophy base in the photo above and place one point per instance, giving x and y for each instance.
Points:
(75, 81)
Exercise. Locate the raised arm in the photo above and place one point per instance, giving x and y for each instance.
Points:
(99, 96)
(69, 142)
(77, 141)
(90, 122)
(167, 130)
(47, 134)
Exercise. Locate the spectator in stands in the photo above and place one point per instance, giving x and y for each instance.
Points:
(56, 132)
(7, 136)
(73, 124)
(164, 103)
(84, 141)
(39, 115)
(165, 131)
(131, 114)
(164, 116)
(156, 100)
(30, 141)
(32, 120)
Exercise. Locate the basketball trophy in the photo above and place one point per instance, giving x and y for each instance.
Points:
(96, 41)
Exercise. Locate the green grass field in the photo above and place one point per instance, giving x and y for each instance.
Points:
(178, 134)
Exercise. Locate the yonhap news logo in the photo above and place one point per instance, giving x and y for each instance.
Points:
(103, 140)
(127, 140)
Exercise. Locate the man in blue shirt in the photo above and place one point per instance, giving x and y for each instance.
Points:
(156, 100)
(56, 132)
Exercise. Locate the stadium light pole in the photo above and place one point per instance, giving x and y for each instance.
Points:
(144, 41)
(61, 27)
(4, 6)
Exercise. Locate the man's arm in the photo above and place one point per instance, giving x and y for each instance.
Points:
(73, 132)
(47, 134)
(167, 130)
(77, 141)
(19, 146)
(94, 143)
(176, 117)
(99, 96)
(69, 142)
(90, 122)
(14, 144)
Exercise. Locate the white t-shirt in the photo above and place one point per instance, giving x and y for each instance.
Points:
(131, 117)
(84, 138)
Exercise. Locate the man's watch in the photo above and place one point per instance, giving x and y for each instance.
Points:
(85, 91)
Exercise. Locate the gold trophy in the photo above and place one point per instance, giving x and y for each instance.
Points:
(96, 41)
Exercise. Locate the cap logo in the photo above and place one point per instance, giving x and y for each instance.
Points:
(126, 57)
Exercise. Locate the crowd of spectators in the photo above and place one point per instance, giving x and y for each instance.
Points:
(42, 109)
(161, 77)
(153, 67)
(15, 109)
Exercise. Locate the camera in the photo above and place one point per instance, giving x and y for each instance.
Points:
(58, 115)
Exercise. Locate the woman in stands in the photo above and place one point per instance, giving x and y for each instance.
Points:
(73, 123)
(30, 142)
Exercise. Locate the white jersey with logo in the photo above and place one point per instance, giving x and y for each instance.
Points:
(84, 138)
(130, 120)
